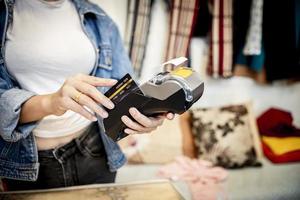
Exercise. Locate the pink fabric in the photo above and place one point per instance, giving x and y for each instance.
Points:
(203, 179)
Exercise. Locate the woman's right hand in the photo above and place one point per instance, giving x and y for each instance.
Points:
(78, 93)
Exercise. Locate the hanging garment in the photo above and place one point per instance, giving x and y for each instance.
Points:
(220, 59)
(204, 19)
(254, 62)
(282, 55)
(198, 50)
(241, 19)
(182, 21)
(157, 41)
(297, 25)
(137, 29)
(244, 29)
(254, 35)
(130, 23)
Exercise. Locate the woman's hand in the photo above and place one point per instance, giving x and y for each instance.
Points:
(78, 93)
(143, 123)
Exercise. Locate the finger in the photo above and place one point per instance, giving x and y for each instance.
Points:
(158, 120)
(135, 126)
(170, 116)
(88, 102)
(130, 131)
(144, 120)
(72, 105)
(92, 92)
(96, 81)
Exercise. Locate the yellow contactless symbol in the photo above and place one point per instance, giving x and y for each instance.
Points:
(120, 89)
(183, 72)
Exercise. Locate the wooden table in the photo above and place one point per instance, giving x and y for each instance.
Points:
(158, 189)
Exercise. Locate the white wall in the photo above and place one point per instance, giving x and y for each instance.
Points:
(117, 10)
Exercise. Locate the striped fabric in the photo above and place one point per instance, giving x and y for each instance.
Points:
(137, 29)
(220, 52)
(182, 20)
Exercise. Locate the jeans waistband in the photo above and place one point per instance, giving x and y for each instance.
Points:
(69, 148)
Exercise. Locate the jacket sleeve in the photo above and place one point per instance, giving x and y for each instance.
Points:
(120, 59)
(11, 101)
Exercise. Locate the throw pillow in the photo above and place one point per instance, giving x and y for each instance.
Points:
(227, 136)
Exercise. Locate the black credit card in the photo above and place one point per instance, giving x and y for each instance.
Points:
(122, 88)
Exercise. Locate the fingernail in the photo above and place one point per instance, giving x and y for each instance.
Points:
(133, 110)
(94, 119)
(126, 131)
(123, 118)
(104, 114)
(111, 105)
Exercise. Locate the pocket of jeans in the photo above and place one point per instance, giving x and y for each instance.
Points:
(92, 145)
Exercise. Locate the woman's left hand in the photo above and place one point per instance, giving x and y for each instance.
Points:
(142, 123)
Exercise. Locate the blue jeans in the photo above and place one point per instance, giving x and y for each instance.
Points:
(80, 162)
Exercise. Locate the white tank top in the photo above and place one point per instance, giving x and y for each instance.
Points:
(45, 45)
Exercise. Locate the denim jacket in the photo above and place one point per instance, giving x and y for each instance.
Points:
(18, 151)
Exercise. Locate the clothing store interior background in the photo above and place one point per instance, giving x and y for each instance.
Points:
(248, 54)
(241, 140)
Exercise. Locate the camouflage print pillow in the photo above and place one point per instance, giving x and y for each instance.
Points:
(226, 136)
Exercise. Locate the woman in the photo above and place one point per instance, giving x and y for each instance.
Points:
(57, 59)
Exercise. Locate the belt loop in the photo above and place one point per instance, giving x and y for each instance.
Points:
(56, 155)
(54, 152)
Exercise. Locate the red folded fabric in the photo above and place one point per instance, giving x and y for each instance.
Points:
(293, 156)
(277, 123)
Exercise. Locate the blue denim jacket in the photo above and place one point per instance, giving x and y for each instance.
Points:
(18, 151)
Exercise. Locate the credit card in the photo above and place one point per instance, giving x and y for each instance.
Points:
(122, 88)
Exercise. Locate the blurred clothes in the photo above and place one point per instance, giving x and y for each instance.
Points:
(277, 123)
(183, 15)
(248, 33)
(254, 62)
(280, 139)
(137, 30)
(293, 156)
(246, 51)
(254, 35)
(280, 146)
(280, 36)
(157, 41)
(204, 19)
(203, 179)
(207, 191)
(220, 53)
(297, 24)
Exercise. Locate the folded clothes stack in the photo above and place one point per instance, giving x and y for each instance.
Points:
(204, 180)
(280, 138)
